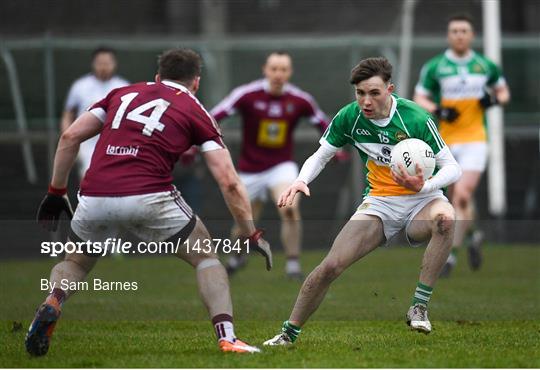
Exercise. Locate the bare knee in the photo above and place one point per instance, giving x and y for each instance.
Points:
(329, 270)
(461, 197)
(199, 246)
(290, 213)
(195, 258)
(443, 222)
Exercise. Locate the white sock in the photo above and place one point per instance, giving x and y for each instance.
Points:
(225, 331)
(292, 266)
(233, 262)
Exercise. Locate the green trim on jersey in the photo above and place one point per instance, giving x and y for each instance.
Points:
(375, 143)
(460, 83)
(441, 67)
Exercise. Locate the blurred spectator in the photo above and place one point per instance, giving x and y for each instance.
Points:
(87, 90)
(271, 109)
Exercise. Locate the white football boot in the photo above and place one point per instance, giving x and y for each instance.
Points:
(282, 339)
(417, 319)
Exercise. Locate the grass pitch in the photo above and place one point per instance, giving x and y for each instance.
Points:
(489, 318)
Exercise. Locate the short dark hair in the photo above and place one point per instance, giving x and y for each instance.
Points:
(103, 49)
(370, 67)
(182, 65)
(460, 17)
(277, 52)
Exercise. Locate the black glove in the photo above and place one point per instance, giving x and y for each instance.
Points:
(488, 100)
(447, 114)
(260, 245)
(51, 208)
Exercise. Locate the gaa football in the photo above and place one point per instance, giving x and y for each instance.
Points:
(410, 152)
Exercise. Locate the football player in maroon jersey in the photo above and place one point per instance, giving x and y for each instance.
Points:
(144, 128)
(270, 109)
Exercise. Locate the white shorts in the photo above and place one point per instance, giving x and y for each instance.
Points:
(397, 212)
(471, 156)
(257, 184)
(150, 217)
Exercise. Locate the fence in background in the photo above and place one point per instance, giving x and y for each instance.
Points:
(39, 71)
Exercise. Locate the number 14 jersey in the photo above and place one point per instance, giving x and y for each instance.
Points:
(146, 126)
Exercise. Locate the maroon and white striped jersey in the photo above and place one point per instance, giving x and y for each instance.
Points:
(146, 126)
(268, 122)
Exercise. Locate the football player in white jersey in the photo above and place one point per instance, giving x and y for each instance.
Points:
(87, 90)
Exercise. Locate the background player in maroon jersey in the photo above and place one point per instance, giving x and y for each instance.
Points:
(270, 109)
(144, 129)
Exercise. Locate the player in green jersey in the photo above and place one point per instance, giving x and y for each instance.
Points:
(373, 124)
(458, 86)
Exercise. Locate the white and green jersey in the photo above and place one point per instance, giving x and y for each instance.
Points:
(374, 140)
(459, 82)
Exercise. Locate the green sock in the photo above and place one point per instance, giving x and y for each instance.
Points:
(291, 330)
(422, 294)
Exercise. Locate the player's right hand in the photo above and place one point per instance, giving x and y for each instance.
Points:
(262, 246)
(51, 208)
(402, 177)
(287, 197)
(447, 114)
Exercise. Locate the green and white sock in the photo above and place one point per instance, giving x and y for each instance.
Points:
(422, 294)
(291, 330)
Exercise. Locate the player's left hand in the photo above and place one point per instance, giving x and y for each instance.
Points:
(414, 183)
(287, 197)
(488, 100)
(51, 208)
(262, 246)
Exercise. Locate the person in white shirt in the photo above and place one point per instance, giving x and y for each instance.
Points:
(87, 90)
